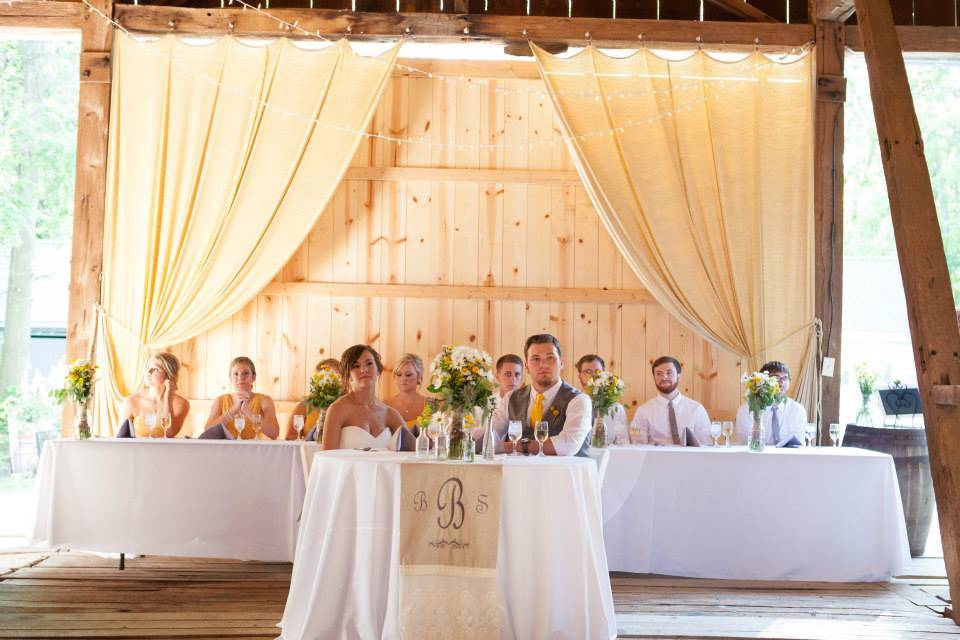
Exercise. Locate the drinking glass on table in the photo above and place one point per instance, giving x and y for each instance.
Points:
(151, 421)
(514, 431)
(298, 424)
(715, 431)
(256, 419)
(165, 422)
(727, 430)
(541, 433)
(810, 433)
(835, 434)
(240, 423)
(433, 432)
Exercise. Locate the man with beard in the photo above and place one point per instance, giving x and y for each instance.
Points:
(666, 418)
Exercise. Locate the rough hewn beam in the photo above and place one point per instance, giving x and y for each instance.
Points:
(92, 125)
(43, 15)
(743, 9)
(828, 209)
(457, 27)
(923, 266)
(916, 39)
(834, 10)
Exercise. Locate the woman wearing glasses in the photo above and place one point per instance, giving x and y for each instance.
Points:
(157, 410)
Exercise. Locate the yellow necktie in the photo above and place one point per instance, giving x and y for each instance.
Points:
(536, 414)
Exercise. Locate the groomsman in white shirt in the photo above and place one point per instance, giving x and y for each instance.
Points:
(788, 418)
(588, 366)
(508, 375)
(547, 398)
(665, 418)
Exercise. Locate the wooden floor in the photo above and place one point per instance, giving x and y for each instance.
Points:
(84, 596)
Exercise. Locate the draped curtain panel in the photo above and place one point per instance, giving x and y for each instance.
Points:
(222, 156)
(701, 171)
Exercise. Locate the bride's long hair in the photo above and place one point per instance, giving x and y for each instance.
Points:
(350, 358)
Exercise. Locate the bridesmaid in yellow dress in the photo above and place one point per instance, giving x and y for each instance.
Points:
(159, 400)
(243, 401)
(310, 417)
(408, 375)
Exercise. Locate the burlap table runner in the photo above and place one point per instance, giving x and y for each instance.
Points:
(449, 534)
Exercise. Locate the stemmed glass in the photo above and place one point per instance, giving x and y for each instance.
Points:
(151, 421)
(727, 430)
(257, 419)
(835, 434)
(715, 431)
(240, 423)
(514, 431)
(298, 424)
(433, 432)
(541, 433)
(810, 433)
(165, 422)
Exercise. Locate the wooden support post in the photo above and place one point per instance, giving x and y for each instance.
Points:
(92, 126)
(828, 208)
(923, 266)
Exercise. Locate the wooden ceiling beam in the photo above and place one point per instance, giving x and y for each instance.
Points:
(744, 10)
(37, 14)
(450, 27)
(833, 10)
(915, 39)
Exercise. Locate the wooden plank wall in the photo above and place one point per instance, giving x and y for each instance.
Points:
(456, 233)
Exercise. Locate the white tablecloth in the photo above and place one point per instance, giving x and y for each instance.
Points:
(194, 498)
(551, 567)
(819, 514)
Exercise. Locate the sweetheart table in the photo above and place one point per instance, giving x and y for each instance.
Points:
(176, 497)
(551, 568)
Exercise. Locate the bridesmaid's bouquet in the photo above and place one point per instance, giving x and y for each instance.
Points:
(605, 389)
(325, 387)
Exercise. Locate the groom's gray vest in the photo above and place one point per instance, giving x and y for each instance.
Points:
(555, 414)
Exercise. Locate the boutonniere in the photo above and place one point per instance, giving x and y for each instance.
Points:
(554, 411)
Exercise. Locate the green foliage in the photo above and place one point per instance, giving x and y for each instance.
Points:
(868, 230)
(38, 122)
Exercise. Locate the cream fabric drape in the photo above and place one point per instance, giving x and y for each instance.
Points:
(701, 172)
(221, 158)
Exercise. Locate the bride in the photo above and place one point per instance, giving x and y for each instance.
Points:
(358, 420)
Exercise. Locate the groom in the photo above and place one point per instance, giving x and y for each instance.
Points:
(565, 409)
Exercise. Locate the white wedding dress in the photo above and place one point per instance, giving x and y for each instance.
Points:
(359, 438)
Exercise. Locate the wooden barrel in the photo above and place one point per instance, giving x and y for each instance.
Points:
(909, 450)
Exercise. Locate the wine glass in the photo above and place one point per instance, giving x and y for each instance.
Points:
(165, 423)
(811, 433)
(835, 434)
(151, 421)
(257, 419)
(715, 431)
(298, 424)
(541, 433)
(433, 432)
(727, 430)
(514, 431)
(240, 423)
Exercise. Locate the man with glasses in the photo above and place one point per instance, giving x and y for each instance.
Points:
(547, 398)
(670, 417)
(788, 418)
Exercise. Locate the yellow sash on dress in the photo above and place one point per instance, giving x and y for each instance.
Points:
(226, 403)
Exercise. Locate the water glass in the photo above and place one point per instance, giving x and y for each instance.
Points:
(298, 424)
(240, 423)
(835, 434)
(514, 431)
(541, 433)
(434, 430)
(715, 431)
(727, 430)
(811, 434)
(257, 425)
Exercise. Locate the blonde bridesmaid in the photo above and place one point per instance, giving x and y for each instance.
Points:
(408, 374)
(158, 399)
(244, 402)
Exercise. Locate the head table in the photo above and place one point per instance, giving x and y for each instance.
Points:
(551, 575)
(818, 514)
(194, 498)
